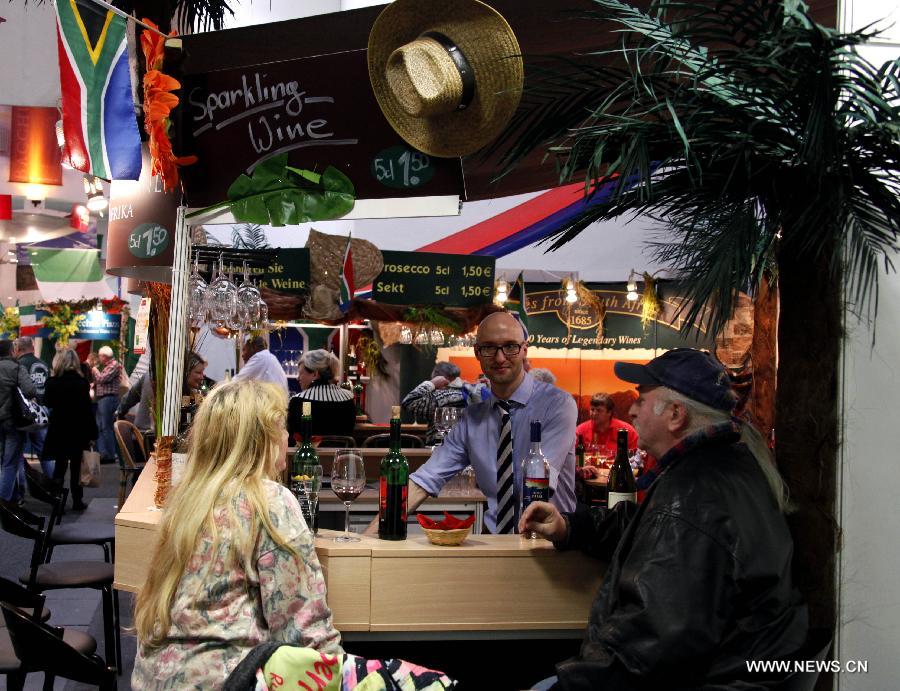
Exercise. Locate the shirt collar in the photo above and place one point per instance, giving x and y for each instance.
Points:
(521, 395)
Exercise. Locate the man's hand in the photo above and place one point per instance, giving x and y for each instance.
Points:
(589, 472)
(415, 496)
(440, 382)
(544, 519)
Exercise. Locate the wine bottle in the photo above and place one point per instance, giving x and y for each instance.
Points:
(306, 472)
(579, 451)
(535, 473)
(393, 487)
(620, 484)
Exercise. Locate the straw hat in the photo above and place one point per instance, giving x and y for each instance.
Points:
(447, 74)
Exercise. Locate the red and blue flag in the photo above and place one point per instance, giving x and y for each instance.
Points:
(99, 124)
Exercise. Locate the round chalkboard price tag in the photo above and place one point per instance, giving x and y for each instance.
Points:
(402, 168)
(148, 240)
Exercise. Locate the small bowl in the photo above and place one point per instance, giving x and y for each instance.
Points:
(447, 538)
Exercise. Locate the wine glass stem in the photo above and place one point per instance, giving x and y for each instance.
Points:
(347, 519)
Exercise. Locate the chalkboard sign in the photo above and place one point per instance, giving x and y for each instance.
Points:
(455, 280)
(319, 110)
(288, 273)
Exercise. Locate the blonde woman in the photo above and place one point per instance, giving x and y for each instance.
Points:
(235, 564)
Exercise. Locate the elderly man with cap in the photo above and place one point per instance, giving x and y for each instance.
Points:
(260, 364)
(107, 379)
(493, 435)
(699, 578)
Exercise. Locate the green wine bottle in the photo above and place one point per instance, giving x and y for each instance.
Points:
(393, 486)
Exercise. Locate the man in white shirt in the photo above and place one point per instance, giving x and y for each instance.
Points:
(260, 364)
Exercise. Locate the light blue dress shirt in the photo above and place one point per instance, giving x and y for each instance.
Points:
(474, 439)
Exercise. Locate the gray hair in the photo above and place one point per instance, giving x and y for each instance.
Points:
(106, 350)
(543, 374)
(321, 361)
(445, 369)
(24, 344)
(66, 360)
(700, 415)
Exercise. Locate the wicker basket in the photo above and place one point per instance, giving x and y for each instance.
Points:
(447, 538)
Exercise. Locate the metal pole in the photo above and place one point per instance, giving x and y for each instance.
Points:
(177, 326)
(342, 347)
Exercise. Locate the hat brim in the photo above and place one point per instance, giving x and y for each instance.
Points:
(635, 374)
(491, 48)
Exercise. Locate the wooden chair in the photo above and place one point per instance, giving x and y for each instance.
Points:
(337, 441)
(16, 596)
(44, 648)
(62, 575)
(132, 455)
(81, 532)
(408, 441)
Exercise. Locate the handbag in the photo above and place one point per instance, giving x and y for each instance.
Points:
(90, 468)
(28, 415)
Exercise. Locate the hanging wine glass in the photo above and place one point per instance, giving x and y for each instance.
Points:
(437, 337)
(263, 323)
(249, 299)
(406, 335)
(422, 338)
(222, 300)
(197, 288)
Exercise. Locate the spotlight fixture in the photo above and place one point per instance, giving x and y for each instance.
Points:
(571, 294)
(61, 143)
(631, 287)
(93, 188)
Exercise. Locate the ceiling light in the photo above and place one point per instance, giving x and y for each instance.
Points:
(35, 193)
(631, 287)
(93, 188)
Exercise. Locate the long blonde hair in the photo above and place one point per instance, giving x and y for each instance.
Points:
(66, 360)
(233, 446)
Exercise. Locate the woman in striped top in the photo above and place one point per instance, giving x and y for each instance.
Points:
(333, 408)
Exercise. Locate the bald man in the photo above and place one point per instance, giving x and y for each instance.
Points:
(479, 439)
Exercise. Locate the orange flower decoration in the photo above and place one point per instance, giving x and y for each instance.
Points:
(158, 104)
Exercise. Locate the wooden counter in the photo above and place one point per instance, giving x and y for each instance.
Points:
(490, 583)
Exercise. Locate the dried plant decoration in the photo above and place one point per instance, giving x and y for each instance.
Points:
(651, 305)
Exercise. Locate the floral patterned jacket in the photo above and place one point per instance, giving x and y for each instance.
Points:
(221, 611)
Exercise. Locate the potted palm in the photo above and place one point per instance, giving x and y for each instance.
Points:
(769, 147)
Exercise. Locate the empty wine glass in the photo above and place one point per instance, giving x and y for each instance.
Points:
(197, 288)
(348, 480)
(222, 297)
(437, 337)
(444, 419)
(248, 297)
(406, 337)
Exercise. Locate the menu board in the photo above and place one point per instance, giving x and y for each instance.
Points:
(288, 272)
(454, 280)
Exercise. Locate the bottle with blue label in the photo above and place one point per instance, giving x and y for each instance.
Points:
(535, 473)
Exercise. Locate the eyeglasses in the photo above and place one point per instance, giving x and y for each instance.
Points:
(509, 349)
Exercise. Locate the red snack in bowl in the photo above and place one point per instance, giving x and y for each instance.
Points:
(451, 522)
(426, 522)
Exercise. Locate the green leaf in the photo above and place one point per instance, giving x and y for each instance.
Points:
(277, 194)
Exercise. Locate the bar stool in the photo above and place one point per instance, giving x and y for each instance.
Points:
(381, 441)
(61, 575)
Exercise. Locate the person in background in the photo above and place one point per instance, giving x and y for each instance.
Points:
(494, 435)
(603, 427)
(140, 395)
(235, 564)
(543, 374)
(12, 441)
(107, 377)
(333, 408)
(445, 389)
(260, 364)
(72, 426)
(39, 372)
(194, 374)
(699, 577)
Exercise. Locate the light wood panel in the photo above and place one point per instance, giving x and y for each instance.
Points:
(347, 579)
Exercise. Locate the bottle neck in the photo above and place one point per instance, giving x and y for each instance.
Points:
(535, 447)
(306, 430)
(395, 434)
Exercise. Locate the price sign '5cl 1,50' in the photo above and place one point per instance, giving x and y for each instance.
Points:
(402, 168)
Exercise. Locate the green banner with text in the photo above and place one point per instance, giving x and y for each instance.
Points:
(453, 280)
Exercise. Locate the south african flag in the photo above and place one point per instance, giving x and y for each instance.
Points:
(101, 134)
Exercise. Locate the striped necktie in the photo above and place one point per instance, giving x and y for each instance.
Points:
(506, 497)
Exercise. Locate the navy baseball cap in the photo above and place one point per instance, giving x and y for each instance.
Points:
(695, 374)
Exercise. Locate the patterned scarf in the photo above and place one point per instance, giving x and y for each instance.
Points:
(729, 432)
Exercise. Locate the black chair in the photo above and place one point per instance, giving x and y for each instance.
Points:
(15, 595)
(818, 643)
(61, 575)
(81, 532)
(382, 441)
(337, 441)
(132, 455)
(44, 648)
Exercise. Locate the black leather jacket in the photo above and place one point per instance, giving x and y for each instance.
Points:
(698, 583)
